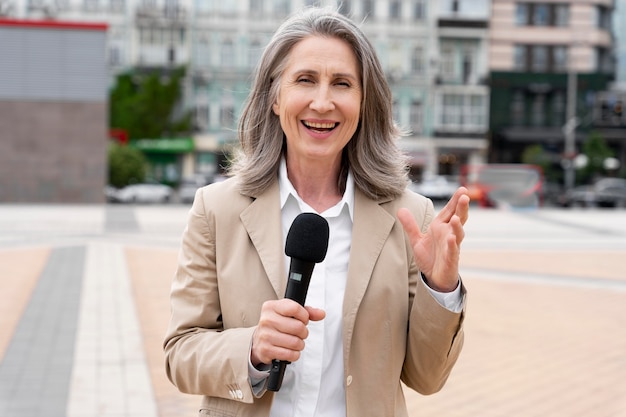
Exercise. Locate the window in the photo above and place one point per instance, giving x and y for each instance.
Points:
(447, 61)
(520, 58)
(464, 112)
(517, 108)
(201, 114)
(417, 60)
(539, 58)
(468, 57)
(541, 15)
(228, 54)
(256, 7)
(452, 110)
(476, 111)
(561, 15)
(395, 10)
(415, 117)
(521, 14)
(559, 59)
(603, 17)
(538, 110)
(558, 108)
(254, 53)
(419, 10)
(227, 116)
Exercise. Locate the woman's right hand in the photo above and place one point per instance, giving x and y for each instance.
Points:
(281, 331)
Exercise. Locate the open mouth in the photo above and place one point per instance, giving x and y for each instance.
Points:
(319, 127)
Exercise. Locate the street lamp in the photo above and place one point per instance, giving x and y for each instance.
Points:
(569, 129)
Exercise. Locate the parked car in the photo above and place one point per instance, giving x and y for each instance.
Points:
(142, 193)
(606, 192)
(436, 187)
(188, 187)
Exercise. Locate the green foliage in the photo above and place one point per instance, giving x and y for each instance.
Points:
(126, 165)
(144, 105)
(537, 155)
(596, 150)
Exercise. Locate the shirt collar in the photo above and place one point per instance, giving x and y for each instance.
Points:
(287, 190)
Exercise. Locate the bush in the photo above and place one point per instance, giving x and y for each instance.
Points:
(126, 165)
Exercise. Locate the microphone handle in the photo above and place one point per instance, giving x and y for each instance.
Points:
(297, 286)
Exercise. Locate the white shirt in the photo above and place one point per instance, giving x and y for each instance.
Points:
(313, 386)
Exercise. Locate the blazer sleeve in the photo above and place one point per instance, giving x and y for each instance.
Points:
(435, 334)
(201, 356)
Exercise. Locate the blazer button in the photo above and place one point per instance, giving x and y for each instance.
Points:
(349, 380)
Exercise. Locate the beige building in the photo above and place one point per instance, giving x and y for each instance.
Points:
(549, 62)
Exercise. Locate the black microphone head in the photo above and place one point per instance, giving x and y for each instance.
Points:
(307, 238)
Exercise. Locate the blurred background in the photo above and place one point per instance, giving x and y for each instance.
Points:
(114, 112)
(96, 95)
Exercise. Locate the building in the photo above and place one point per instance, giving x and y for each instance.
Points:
(548, 62)
(435, 54)
(53, 111)
(229, 38)
(460, 119)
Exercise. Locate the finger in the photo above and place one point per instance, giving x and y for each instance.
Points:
(315, 314)
(409, 225)
(450, 208)
(457, 229)
(462, 208)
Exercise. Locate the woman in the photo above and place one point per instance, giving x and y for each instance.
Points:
(386, 304)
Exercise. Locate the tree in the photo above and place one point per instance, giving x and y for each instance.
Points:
(144, 105)
(127, 165)
(536, 155)
(597, 151)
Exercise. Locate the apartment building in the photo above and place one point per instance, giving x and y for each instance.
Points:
(433, 52)
(549, 61)
(460, 111)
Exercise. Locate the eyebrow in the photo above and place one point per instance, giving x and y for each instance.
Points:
(335, 74)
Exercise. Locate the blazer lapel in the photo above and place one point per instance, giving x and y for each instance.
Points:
(262, 221)
(371, 228)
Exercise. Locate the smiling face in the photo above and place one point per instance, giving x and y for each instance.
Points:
(319, 99)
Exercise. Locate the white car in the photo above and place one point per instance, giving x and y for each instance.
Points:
(143, 193)
(437, 187)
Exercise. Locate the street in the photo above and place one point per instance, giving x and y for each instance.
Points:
(84, 306)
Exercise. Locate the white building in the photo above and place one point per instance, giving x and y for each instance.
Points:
(433, 51)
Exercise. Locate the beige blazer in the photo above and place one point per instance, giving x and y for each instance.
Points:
(232, 260)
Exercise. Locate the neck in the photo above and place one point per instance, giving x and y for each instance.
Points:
(318, 186)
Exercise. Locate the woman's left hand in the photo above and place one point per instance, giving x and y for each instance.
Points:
(437, 251)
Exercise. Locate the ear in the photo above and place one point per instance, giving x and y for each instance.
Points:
(276, 108)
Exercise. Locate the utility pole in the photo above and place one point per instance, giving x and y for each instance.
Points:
(569, 129)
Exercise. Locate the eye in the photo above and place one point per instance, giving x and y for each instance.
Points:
(304, 80)
(343, 83)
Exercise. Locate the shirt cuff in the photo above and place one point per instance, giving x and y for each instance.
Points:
(258, 377)
(453, 301)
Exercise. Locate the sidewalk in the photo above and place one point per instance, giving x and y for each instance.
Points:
(84, 306)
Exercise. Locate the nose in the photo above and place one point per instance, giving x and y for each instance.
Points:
(322, 101)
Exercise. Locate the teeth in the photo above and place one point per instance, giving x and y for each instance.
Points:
(320, 125)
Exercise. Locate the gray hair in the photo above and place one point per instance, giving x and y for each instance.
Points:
(378, 166)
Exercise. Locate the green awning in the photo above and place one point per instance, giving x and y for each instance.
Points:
(164, 145)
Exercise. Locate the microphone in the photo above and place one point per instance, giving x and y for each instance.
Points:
(306, 244)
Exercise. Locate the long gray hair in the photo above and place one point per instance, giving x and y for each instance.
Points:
(378, 166)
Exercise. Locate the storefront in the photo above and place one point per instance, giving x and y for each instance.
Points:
(167, 157)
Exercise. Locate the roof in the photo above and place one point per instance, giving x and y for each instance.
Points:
(52, 24)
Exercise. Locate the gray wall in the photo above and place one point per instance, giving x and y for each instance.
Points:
(53, 113)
